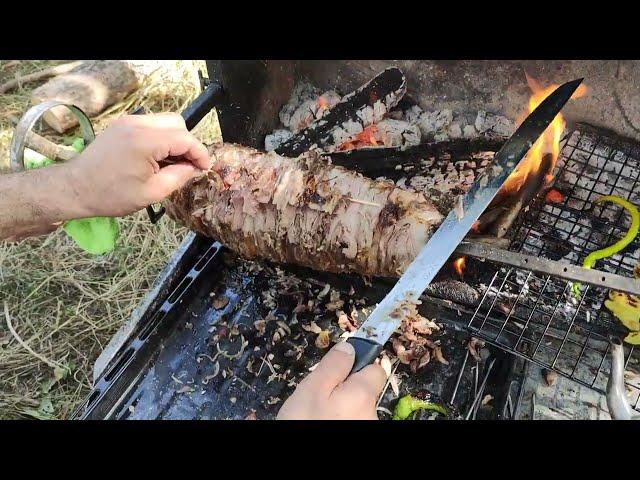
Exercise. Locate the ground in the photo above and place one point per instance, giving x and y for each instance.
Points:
(60, 306)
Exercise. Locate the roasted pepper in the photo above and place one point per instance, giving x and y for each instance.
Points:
(626, 308)
(631, 234)
(633, 338)
(408, 404)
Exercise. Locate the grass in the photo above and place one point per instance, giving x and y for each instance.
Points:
(59, 306)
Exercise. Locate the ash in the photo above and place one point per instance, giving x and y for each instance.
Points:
(399, 127)
(441, 179)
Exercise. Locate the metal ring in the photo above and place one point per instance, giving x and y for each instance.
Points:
(29, 119)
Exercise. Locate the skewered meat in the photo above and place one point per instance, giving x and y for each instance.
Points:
(306, 212)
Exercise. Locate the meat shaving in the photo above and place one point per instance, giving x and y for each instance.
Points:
(323, 340)
(473, 346)
(312, 327)
(346, 323)
(220, 302)
(412, 345)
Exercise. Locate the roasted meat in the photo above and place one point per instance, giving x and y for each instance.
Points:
(305, 211)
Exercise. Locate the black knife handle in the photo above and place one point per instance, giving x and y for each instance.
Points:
(366, 352)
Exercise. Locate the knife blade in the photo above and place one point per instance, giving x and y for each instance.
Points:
(370, 338)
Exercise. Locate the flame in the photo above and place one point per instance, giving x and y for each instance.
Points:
(549, 141)
(459, 265)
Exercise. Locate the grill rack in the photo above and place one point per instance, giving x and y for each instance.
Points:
(536, 317)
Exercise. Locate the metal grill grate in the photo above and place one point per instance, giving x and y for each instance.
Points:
(536, 316)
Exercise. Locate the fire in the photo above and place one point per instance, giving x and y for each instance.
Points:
(459, 265)
(549, 141)
(365, 138)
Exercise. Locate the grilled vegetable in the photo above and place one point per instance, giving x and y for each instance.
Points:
(633, 338)
(631, 234)
(626, 308)
(408, 404)
(305, 211)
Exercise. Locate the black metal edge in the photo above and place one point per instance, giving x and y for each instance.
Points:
(141, 344)
(165, 282)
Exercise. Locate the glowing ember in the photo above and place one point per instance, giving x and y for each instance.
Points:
(554, 196)
(459, 265)
(365, 138)
(549, 141)
(322, 103)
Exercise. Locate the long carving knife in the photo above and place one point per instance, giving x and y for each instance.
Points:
(370, 338)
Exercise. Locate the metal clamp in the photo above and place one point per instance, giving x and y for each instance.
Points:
(29, 119)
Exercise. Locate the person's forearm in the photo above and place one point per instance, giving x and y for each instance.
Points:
(32, 202)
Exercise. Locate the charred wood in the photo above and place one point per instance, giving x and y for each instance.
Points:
(361, 108)
(510, 203)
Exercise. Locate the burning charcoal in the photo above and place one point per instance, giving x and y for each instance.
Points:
(412, 115)
(554, 196)
(431, 123)
(356, 111)
(492, 125)
(311, 110)
(277, 138)
(387, 133)
(302, 92)
(396, 133)
(454, 290)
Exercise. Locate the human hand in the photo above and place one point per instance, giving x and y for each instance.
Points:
(330, 393)
(118, 173)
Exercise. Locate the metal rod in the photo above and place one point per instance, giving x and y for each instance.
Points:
(455, 389)
(550, 267)
(477, 399)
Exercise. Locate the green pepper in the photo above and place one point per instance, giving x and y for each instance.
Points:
(631, 234)
(408, 404)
